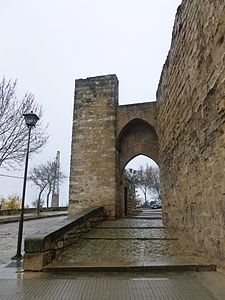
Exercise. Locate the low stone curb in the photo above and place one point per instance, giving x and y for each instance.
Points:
(29, 218)
(42, 247)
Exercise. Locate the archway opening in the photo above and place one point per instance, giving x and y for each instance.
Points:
(137, 146)
(141, 184)
(137, 137)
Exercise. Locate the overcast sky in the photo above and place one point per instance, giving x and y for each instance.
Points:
(47, 44)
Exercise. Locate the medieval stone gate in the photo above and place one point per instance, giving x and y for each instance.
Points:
(106, 137)
(183, 131)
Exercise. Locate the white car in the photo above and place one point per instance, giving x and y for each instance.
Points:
(158, 204)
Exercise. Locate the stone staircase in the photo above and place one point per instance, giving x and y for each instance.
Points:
(140, 243)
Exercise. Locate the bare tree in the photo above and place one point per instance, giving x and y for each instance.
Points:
(43, 177)
(39, 177)
(35, 203)
(147, 180)
(13, 130)
(52, 175)
(130, 177)
(141, 179)
(153, 175)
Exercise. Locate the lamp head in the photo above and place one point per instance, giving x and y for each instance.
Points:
(31, 119)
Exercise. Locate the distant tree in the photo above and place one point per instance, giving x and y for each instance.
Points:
(139, 180)
(13, 130)
(12, 202)
(35, 203)
(130, 182)
(52, 176)
(43, 177)
(39, 177)
(142, 182)
(147, 180)
(153, 175)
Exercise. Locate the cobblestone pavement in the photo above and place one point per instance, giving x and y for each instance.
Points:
(9, 233)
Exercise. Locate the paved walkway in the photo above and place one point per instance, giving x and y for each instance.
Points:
(131, 240)
(172, 287)
(140, 243)
(9, 234)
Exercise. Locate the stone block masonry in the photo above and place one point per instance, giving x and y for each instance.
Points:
(183, 131)
(191, 130)
(135, 124)
(105, 137)
(41, 248)
(93, 159)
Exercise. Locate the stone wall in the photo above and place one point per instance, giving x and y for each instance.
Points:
(191, 101)
(146, 111)
(41, 248)
(138, 138)
(184, 132)
(93, 158)
(135, 131)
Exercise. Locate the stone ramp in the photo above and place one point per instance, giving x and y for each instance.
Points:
(135, 244)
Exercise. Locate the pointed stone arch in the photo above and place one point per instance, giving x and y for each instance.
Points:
(137, 137)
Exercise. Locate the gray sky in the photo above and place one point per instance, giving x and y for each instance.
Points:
(47, 44)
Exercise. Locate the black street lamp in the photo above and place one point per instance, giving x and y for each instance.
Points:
(31, 120)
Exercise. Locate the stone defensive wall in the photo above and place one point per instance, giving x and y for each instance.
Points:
(105, 138)
(191, 127)
(183, 132)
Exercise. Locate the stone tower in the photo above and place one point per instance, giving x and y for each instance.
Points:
(93, 155)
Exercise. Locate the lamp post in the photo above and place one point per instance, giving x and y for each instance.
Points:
(31, 120)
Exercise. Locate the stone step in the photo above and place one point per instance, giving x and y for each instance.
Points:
(157, 265)
(145, 218)
(130, 227)
(131, 238)
(108, 248)
(135, 233)
(132, 223)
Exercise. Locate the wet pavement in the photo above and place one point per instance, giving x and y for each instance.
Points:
(139, 242)
(9, 234)
(117, 239)
(130, 223)
(176, 287)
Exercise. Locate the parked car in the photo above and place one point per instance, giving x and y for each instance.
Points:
(156, 205)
